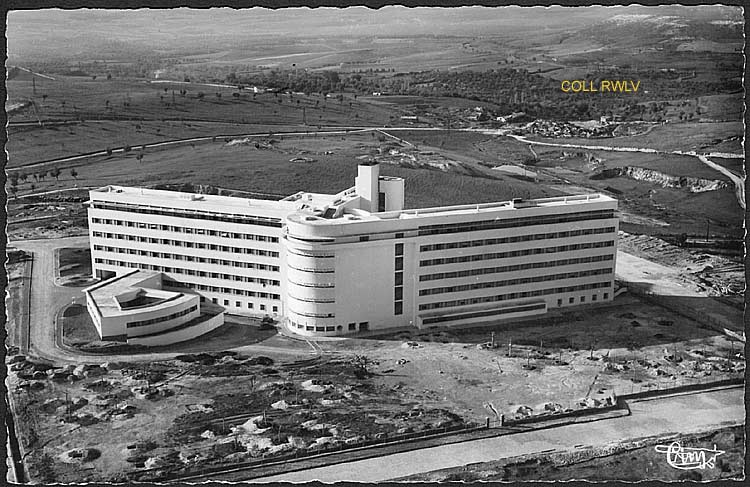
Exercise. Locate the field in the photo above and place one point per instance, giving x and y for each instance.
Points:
(268, 170)
(448, 369)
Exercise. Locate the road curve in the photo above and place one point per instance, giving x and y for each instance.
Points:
(47, 298)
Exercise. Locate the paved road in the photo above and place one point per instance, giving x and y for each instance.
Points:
(739, 181)
(662, 416)
(47, 298)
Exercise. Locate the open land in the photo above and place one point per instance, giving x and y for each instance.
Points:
(252, 116)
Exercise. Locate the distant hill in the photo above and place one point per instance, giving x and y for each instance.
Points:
(122, 35)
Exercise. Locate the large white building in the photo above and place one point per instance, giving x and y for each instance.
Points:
(357, 261)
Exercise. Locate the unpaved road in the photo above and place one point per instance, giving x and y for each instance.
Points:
(47, 298)
(687, 413)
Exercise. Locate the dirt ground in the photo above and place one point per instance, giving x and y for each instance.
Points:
(629, 345)
(201, 410)
(720, 275)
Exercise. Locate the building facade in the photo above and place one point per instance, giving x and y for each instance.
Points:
(357, 261)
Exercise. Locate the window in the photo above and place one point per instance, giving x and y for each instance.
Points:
(364, 326)
(381, 201)
(583, 299)
(593, 297)
(275, 309)
(559, 302)
(399, 278)
(606, 295)
(330, 328)
(398, 308)
(364, 239)
(399, 249)
(571, 300)
(352, 326)
(399, 293)
(250, 305)
(399, 263)
(214, 300)
(226, 302)
(399, 235)
(262, 307)
(237, 304)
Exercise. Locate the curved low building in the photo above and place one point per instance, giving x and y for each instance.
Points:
(358, 261)
(135, 308)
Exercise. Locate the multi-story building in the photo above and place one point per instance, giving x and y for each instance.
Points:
(357, 261)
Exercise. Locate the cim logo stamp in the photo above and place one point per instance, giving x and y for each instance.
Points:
(689, 458)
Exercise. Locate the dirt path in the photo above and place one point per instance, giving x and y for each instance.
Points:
(47, 298)
(688, 413)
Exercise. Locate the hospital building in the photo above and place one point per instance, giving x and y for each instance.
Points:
(335, 265)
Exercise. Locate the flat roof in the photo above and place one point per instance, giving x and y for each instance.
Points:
(106, 293)
(471, 209)
(197, 201)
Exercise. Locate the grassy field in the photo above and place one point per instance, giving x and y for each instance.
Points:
(75, 263)
(33, 143)
(71, 98)
(247, 168)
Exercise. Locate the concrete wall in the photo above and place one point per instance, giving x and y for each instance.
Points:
(180, 335)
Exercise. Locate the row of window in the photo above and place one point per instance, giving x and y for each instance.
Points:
(514, 222)
(187, 230)
(514, 239)
(479, 314)
(225, 290)
(238, 304)
(135, 324)
(304, 253)
(315, 271)
(186, 244)
(326, 285)
(364, 326)
(517, 267)
(313, 300)
(189, 272)
(313, 315)
(188, 213)
(516, 253)
(188, 258)
(518, 295)
(513, 282)
(398, 293)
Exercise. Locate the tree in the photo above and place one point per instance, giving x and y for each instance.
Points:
(362, 364)
(74, 173)
(55, 173)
